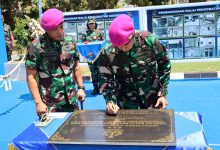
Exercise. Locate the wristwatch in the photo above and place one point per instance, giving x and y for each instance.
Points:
(81, 87)
(160, 94)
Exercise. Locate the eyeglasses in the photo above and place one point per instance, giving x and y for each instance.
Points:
(130, 39)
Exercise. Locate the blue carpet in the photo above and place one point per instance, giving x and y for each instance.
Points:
(201, 96)
(17, 110)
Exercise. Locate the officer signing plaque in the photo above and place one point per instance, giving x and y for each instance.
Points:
(130, 127)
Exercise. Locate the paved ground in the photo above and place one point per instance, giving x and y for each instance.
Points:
(17, 110)
(20, 72)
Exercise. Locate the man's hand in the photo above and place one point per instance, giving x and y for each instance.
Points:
(41, 108)
(112, 109)
(81, 94)
(86, 42)
(161, 102)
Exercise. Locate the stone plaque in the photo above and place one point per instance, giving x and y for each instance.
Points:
(130, 127)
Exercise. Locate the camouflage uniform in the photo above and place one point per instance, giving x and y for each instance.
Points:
(135, 79)
(35, 29)
(92, 36)
(54, 61)
(8, 41)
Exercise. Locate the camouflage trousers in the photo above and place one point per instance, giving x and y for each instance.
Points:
(9, 52)
(140, 103)
(65, 108)
(95, 74)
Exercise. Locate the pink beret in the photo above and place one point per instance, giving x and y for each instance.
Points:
(51, 19)
(120, 29)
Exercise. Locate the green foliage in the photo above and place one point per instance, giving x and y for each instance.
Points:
(20, 33)
(101, 4)
(79, 5)
(139, 3)
(195, 1)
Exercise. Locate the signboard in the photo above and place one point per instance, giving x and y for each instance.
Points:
(189, 31)
(76, 24)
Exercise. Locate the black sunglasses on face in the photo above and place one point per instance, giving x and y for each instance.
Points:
(129, 41)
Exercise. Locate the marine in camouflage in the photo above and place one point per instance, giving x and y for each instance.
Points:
(54, 61)
(8, 40)
(35, 29)
(92, 36)
(135, 79)
(94, 69)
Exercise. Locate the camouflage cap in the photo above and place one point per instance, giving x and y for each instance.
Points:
(92, 20)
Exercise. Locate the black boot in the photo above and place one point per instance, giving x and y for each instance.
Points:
(95, 90)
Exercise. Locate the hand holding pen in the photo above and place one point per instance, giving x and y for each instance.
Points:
(112, 108)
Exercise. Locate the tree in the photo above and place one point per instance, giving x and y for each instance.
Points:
(194, 1)
(79, 5)
(140, 3)
(14, 8)
(20, 33)
(101, 4)
(64, 5)
(149, 2)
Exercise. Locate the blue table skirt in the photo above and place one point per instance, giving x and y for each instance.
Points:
(189, 134)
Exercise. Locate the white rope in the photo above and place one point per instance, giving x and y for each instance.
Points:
(3, 83)
(15, 68)
(16, 78)
(9, 84)
(6, 85)
(7, 78)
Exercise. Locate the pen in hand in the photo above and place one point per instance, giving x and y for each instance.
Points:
(112, 108)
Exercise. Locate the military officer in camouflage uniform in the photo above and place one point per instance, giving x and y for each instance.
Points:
(9, 39)
(134, 68)
(52, 65)
(91, 35)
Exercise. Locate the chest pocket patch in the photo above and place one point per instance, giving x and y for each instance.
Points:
(51, 58)
(145, 55)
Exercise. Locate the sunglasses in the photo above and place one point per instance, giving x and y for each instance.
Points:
(130, 39)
